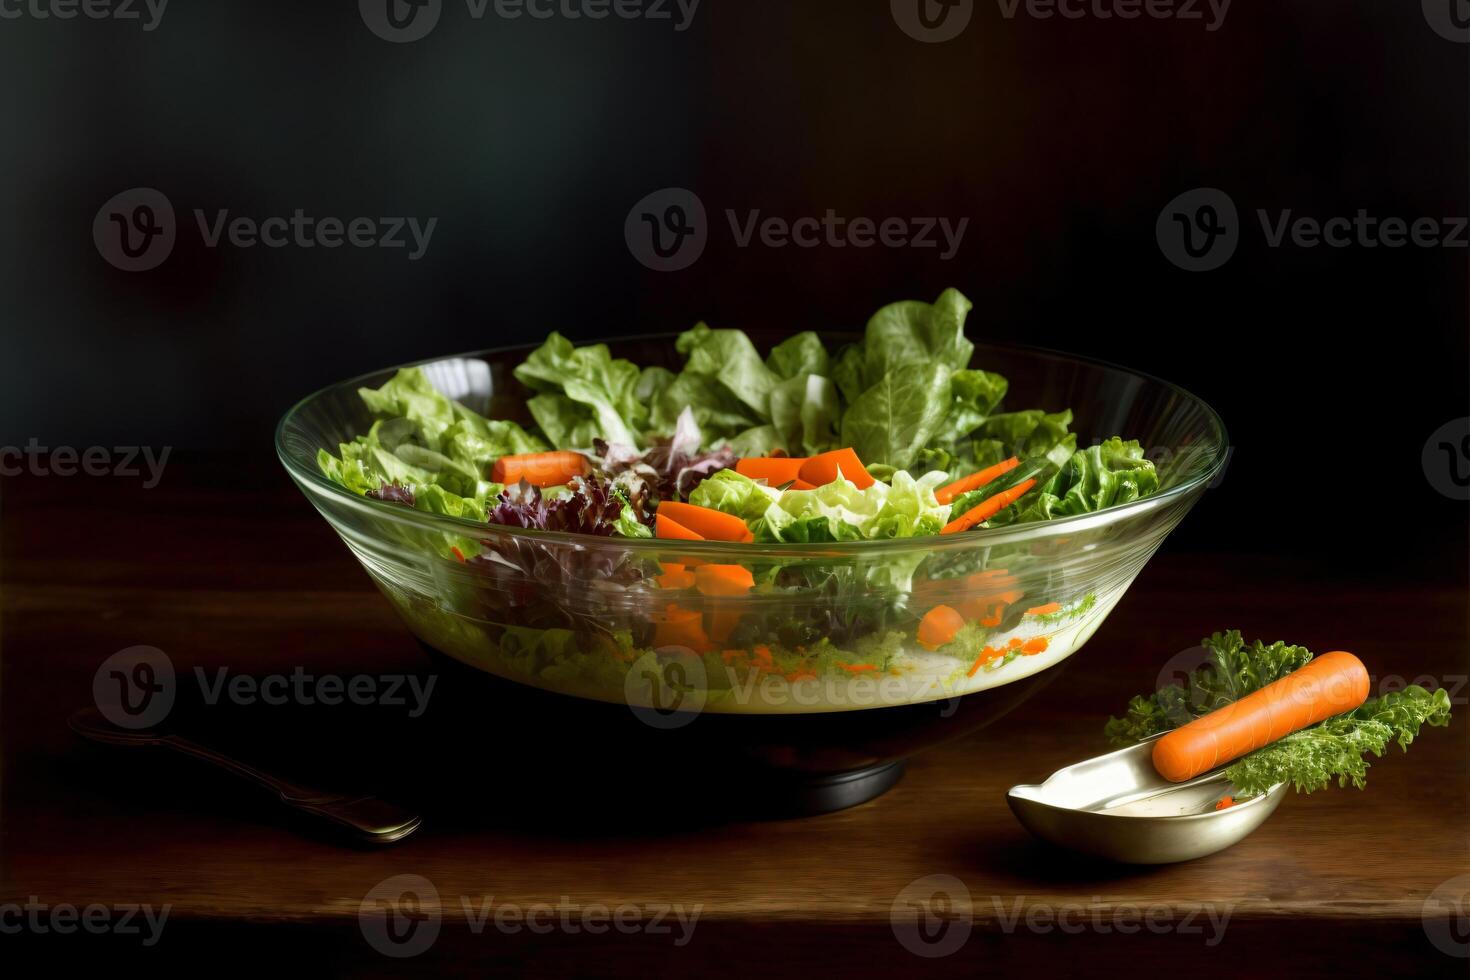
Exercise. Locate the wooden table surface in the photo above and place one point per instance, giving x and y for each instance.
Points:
(228, 565)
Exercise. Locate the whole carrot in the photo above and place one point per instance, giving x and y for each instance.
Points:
(1329, 685)
(974, 481)
(988, 508)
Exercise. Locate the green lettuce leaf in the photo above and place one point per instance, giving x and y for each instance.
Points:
(728, 359)
(731, 493)
(1110, 473)
(798, 355)
(895, 418)
(912, 332)
(974, 396)
(805, 411)
(584, 394)
(1336, 748)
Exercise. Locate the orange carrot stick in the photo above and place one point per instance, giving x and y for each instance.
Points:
(675, 576)
(723, 580)
(665, 526)
(540, 469)
(974, 481)
(1044, 610)
(988, 508)
(824, 469)
(678, 627)
(708, 523)
(1329, 685)
(774, 470)
(939, 626)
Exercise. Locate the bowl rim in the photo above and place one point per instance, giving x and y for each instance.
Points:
(311, 476)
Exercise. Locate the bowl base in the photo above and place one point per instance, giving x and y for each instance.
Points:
(811, 795)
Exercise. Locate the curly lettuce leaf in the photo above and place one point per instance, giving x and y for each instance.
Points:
(1111, 473)
(1336, 748)
(584, 393)
(1309, 759)
(1233, 670)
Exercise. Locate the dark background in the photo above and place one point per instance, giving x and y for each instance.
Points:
(530, 140)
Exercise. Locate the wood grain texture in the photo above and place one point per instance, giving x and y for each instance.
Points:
(219, 572)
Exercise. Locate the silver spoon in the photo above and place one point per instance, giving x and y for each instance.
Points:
(366, 818)
(1117, 806)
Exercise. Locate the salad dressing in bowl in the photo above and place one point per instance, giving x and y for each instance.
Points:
(819, 670)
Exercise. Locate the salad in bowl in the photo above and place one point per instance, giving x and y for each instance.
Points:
(717, 524)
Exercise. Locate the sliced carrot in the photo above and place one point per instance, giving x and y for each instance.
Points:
(974, 481)
(986, 656)
(679, 627)
(666, 527)
(1045, 609)
(676, 576)
(706, 522)
(540, 469)
(939, 626)
(1035, 645)
(824, 469)
(722, 623)
(801, 484)
(723, 580)
(1329, 685)
(774, 470)
(988, 508)
(1225, 802)
(459, 555)
(762, 654)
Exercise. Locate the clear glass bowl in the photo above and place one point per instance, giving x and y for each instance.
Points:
(830, 630)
